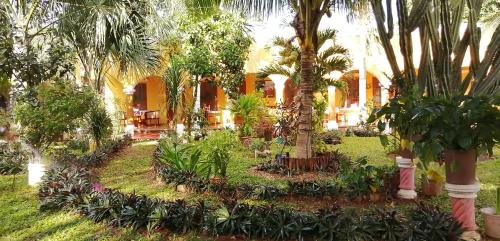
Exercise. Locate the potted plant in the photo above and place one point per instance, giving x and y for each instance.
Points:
(399, 114)
(492, 219)
(264, 128)
(458, 128)
(247, 108)
(432, 182)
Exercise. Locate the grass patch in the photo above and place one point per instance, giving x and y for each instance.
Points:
(357, 147)
(20, 218)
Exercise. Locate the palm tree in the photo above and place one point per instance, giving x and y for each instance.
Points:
(176, 81)
(308, 15)
(111, 32)
(329, 59)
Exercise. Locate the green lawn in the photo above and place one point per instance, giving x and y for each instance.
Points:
(130, 171)
(20, 218)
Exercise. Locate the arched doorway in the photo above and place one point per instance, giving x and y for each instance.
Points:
(149, 102)
(290, 91)
(373, 89)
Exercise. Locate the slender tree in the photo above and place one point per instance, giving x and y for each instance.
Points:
(176, 81)
(308, 15)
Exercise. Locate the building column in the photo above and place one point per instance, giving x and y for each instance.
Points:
(129, 116)
(384, 95)
(279, 86)
(197, 103)
(332, 117)
(463, 208)
(406, 178)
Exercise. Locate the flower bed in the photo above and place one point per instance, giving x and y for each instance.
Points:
(356, 181)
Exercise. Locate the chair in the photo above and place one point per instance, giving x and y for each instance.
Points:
(152, 118)
(122, 118)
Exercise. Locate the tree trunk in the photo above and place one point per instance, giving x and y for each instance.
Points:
(304, 135)
(193, 109)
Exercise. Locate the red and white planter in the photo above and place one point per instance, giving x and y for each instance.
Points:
(406, 178)
(463, 207)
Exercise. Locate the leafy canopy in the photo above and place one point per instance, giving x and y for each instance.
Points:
(58, 107)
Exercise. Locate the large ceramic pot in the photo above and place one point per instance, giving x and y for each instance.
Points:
(431, 187)
(491, 222)
(460, 166)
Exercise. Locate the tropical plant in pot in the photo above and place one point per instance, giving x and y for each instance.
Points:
(492, 219)
(398, 114)
(247, 108)
(264, 128)
(458, 127)
(432, 182)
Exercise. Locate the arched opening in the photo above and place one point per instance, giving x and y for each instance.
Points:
(290, 91)
(149, 103)
(208, 96)
(373, 89)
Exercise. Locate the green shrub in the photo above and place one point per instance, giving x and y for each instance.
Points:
(12, 158)
(58, 108)
(360, 179)
(429, 223)
(99, 123)
(217, 149)
(181, 157)
(248, 108)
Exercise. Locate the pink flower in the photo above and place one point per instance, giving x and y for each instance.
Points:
(97, 187)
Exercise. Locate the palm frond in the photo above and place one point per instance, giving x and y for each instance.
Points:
(325, 35)
(332, 51)
(276, 69)
(257, 8)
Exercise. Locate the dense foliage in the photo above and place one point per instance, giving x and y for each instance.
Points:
(57, 108)
(12, 158)
(248, 107)
(263, 222)
(355, 180)
(70, 188)
(216, 48)
(67, 183)
(459, 123)
(100, 126)
(210, 159)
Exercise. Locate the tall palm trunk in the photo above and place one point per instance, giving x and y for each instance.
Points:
(305, 131)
